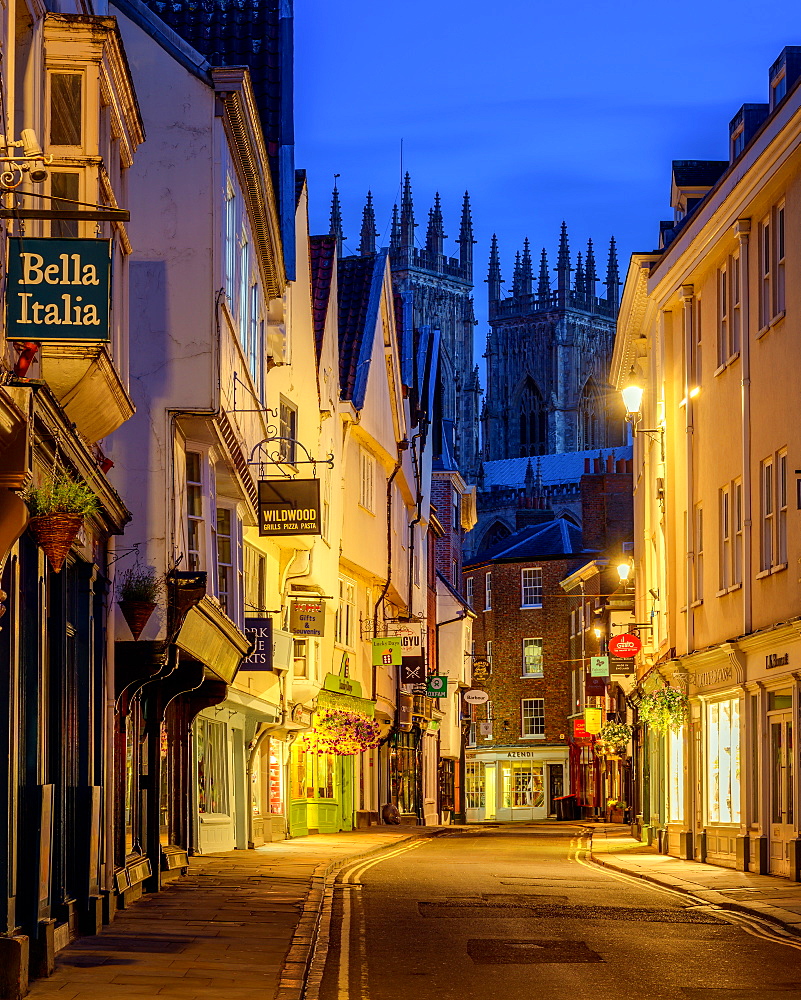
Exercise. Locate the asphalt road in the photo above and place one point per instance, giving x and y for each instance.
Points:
(517, 913)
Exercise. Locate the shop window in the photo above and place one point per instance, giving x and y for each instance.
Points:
(212, 766)
(299, 773)
(325, 777)
(66, 111)
(522, 785)
(474, 784)
(533, 717)
(723, 761)
(532, 657)
(531, 588)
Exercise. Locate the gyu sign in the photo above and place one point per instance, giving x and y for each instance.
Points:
(289, 507)
(58, 289)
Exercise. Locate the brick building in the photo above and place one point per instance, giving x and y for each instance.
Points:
(525, 656)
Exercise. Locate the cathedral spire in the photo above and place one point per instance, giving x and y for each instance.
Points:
(526, 273)
(612, 277)
(394, 234)
(368, 234)
(435, 236)
(590, 275)
(563, 267)
(516, 275)
(494, 279)
(544, 282)
(579, 286)
(335, 227)
(407, 223)
(466, 240)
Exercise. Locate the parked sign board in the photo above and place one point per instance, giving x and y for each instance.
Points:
(289, 507)
(58, 289)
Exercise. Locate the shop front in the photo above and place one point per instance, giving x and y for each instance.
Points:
(326, 764)
(514, 785)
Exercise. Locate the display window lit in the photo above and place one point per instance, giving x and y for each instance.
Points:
(676, 776)
(522, 785)
(723, 761)
(474, 784)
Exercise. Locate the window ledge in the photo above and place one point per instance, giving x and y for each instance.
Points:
(532, 677)
(778, 568)
(720, 368)
(531, 607)
(733, 358)
(777, 319)
(761, 333)
(722, 593)
(697, 604)
(366, 510)
(540, 736)
(733, 587)
(762, 574)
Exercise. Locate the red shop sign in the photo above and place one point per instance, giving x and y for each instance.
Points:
(625, 645)
(579, 728)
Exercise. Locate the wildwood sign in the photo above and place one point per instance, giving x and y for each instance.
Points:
(58, 289)
(289, 507)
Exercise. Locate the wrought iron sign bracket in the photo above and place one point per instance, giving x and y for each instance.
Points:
(278, 458)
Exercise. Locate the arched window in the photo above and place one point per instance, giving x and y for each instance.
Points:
(496, 532)
(591, 422)
(533, 421)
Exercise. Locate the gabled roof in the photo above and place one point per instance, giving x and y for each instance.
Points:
(322, 253)
(564, 468)
(359, 284)
(557, 539)
(454, 593)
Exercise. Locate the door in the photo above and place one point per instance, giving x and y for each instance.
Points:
(781, 792)
(346, 793)
(489, 785)
(556, 785)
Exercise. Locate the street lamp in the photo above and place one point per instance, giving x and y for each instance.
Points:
(624, 572)
(632, 393)
(32, 161)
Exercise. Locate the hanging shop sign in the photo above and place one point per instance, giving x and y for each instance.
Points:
(289, 507)
(58, 289)
(476, 697)
(594, 687)
(342, 685)
(412, 671)
(405, 712)
(592, 720)
(307, 618)
(625, 645)
(579, 729)
(412, 652)
(437, 686)
(481, 671)
(599, 666)
(621, 665)
(260, 633)
(387, 651)
(485, 729)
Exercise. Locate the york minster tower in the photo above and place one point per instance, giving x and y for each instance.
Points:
(548, 356)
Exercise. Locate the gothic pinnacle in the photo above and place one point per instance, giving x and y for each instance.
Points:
(335, 227)
(526, 273)
(368, 233)
(435, 235)
(590, 276)
(544, 282)
(466, 240)
(579, 287)
(407, 223)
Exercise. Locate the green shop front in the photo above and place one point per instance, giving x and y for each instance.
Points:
(324, 762)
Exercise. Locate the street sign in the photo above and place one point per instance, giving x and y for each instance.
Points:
(625, 645)
(599, 666)
(437, 686)
(387, 651)
(476, 697)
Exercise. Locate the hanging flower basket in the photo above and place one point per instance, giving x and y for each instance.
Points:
(343, 733)
(614, 739)
(54, 534)
(138, 593)
(137, 614)
(57, 509)
(664, 710)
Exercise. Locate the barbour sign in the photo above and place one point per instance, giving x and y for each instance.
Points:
(58, 289)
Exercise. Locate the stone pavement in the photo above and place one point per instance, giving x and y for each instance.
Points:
(222, 933)
(766, 896)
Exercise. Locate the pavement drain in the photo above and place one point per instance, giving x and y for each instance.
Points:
(492, 951)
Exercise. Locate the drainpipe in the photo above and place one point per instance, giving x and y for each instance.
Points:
(743, 228)
(110, 730)
(687, 298)
(401, 446)
(418, 517)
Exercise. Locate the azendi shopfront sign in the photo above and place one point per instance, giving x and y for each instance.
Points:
(58, 289)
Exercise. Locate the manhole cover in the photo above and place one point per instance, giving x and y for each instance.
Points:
(534, 952)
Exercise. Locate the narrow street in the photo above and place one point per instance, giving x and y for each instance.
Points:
(519, 912)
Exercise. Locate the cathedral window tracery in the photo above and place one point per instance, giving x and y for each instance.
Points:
(533, 421)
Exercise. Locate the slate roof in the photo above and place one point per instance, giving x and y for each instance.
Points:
(359, 283)
(556, 539)
(236, 33)
(564, 468)
(698, 173)
(322, 254)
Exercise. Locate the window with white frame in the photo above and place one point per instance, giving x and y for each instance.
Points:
(532, 657)
(300, 658)
(194, 511)
(366, 480)
(723, 316)
(454, 573)
(244, 298)
(531, 588)
(533, 717)
(699, 552)
(469, 590)
(488, 646)
(767, 514)
(765, 258)
(726, 575)
(230, 244)
(212, 766)
(66, 109)
(345, 626)
(737, 512)
(487, 591)
(729, 310)
(779, 297)
(253, 349)
(227, 529)
(781, 509)
(696, 368)
(288, 430)
(488, 719)
(65, 190)
(723, 761)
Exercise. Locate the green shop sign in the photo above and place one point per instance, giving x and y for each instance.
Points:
(58, 289)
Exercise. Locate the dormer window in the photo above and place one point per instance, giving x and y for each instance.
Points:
(778, 90)
(738, 142)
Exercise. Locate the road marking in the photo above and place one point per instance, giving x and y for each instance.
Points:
(755, 926)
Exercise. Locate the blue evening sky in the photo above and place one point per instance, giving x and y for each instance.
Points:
(543, 111)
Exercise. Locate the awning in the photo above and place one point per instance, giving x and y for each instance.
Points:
(209, 635)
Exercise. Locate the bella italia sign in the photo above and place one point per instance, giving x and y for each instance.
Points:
(58, 289)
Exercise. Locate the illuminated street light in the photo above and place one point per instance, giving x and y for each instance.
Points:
(632, 394)
(624, 571)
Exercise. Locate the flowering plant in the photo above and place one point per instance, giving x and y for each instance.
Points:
(341, 732)
(614, 737)
(664, 710)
